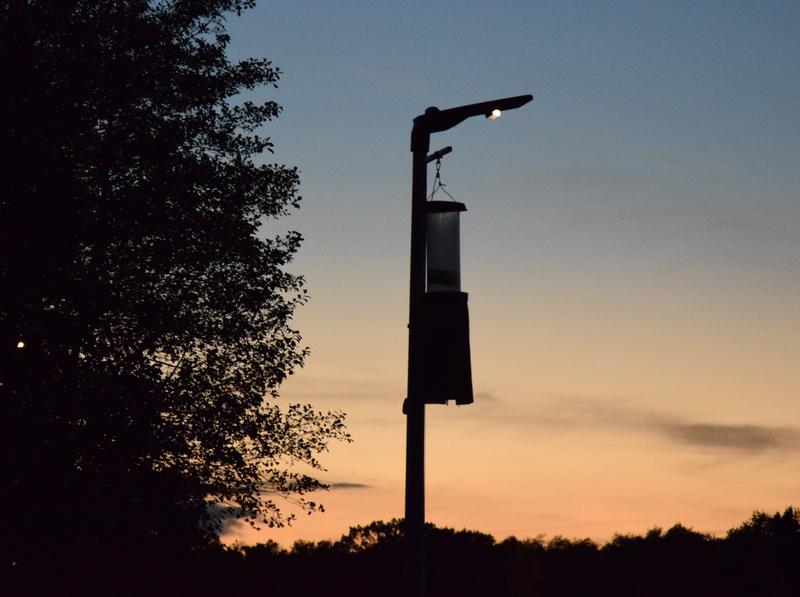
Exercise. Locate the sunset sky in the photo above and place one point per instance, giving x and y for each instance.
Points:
(631, 252)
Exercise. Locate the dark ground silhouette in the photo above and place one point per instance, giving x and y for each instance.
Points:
(758, 558)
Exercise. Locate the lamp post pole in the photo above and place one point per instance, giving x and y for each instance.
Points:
(432, 121)
(414, 407)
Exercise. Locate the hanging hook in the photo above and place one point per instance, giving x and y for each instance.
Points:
(437, 179)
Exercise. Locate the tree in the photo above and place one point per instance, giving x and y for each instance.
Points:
(145, 323)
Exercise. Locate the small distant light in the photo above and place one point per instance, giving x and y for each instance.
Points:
(20, 344)
(495, 114)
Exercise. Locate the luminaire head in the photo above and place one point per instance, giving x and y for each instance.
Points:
(435, 120)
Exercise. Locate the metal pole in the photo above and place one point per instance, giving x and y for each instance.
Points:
(414, 406)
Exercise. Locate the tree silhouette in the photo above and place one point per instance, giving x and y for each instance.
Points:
(762, 554)
(143, 320)
(756, 558)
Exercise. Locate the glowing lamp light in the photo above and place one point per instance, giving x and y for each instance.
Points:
(495, 114)
(20, 344)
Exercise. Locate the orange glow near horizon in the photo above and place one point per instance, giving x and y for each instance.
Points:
(585, 423)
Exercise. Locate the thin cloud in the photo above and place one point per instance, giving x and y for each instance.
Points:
(749, 438)
(744, 438)
(227, 515)
(485, 397)
(346, 485)
(325, 388)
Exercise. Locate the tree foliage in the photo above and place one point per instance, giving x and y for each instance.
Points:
(156, 320)
(757, 558)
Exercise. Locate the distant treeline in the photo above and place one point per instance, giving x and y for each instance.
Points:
(760, 558)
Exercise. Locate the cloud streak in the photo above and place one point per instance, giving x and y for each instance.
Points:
(749, 438)
(346, 485)
(618, 416)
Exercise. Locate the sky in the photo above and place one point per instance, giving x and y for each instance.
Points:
(631, 252)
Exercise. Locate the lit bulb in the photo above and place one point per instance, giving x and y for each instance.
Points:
(495, 114)
(20, 344)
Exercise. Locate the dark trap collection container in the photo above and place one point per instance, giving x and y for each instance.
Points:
(444, 318)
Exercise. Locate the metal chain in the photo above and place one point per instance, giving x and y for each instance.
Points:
(437, 182)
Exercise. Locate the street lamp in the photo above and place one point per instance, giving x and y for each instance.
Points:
(437, 316)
